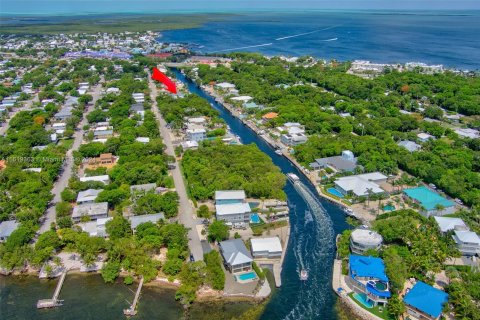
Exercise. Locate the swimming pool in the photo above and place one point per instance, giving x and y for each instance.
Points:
(389, 208)
(362, 298)
(247, 276)
(335, 192)
(254, 218)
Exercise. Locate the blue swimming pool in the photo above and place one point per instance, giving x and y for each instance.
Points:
(363, 300)
(254, 218)
(247, 276)
(389, 208)
(335, 192)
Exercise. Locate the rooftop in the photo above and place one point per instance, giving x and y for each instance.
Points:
(266, 244)
(137, 220)
(88, 195)
(235, 252)
(428, 198)
(230, 195)
(232, 208)
(7, 227)
(90, 209)
(366, 236)
(467, 237)
(446, 224)
(426, 298)
(369, 267)
(361, 184)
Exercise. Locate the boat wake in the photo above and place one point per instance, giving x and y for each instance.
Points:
(313, 248)
(247, 47)
(305, 33)
(328, 40)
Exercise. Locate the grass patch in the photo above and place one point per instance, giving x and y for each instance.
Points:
(259, 228)
(375, 310)
(67, 143)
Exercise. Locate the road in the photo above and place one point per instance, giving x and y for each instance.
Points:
(186, 210)
(61, 183)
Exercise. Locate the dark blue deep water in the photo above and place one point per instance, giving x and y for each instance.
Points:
(312, 238)
(435, 38)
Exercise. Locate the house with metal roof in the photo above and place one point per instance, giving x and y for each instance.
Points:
(367, 278)
(234, 212)
(96, 228)
(446, 224)
(425, 302)
(410, 145)
(270, 248)
(93, 210)
(343, 163)
(236, 256)
(229, 196)
(431, 202)
(468, 242)
(135, 221)
(143, 188)
(362, 240)
(361, 185)
(88, 196)
(105, 179)
(6, 229)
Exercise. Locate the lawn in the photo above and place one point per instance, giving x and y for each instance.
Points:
(375, 310)
(259, 228)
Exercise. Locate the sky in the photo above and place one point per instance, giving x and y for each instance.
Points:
(32, 7)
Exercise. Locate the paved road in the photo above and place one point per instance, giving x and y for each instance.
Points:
(62, 181)
(186, 209)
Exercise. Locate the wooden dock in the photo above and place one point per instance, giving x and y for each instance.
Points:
(132, 310)
(54, 302)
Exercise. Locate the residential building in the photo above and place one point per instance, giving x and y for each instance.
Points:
(6, 229)
(231, 206)
(468, 133)
(88, 196)
(293, 139)
(142, 139)
(198, 134)
(270, 116)
(105, 179)
(93, 210)
(410, 145)
(269, 248)
(447, 224)
(143, 188)
(424, 137)
(64, 114)
(432, 204)
(103, 132)
(344, 163)
(105, 160)
(361, 185)
(362, 240)
(236, 256)
(468, 242)
(425, 302)
(135, 221)
(229, 196)
(95, 228)
(189, 145)
(366, 276)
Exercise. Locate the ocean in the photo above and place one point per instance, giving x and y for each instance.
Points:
(386, 37)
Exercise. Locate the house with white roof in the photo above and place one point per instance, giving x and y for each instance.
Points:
(135, 221)
(231, 206)
(143, 139)
(293, 139)
(409, 145)
(424, 137)
(468, 133)
(236, 256)
(93, 210)
(270, 248)
(95, 228)
(362, 239)
(197, 134)
(105, 179)
(468, 242)
(447, 224)
(189, 145)
(361, 185)
(6, 229)
(88, 196)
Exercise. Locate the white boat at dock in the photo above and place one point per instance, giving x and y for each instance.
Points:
(293, 177)
(349, 212)
(279, 152)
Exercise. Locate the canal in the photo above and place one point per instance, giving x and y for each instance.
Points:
(312, 235)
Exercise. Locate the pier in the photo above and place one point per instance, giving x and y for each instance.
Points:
(54, 302)
(132, 310)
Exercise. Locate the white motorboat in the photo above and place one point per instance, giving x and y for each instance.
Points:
(304, 275)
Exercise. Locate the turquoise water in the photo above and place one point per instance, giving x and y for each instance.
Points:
(254, 218)
(362, 298)
(247, 276)
(335, 192)
(389, 208)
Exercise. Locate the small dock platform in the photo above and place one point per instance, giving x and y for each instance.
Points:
(132, 310)
(54, 302)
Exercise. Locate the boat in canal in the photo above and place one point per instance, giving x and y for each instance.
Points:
(304, 275)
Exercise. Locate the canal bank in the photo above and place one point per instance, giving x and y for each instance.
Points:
(312, 236)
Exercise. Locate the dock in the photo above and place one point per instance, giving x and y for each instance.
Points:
(132, 310)
(54, 302)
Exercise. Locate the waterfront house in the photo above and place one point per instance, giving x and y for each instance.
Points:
(231, 206)
(344, 163)
(361, 185)
(6, 229)
(366, 277)
(95, 228)
(293, 139)
(93, 210)
(135, 221)
(432, 204)
(105, 179)
(197, 134)
(88, 196)
(425, 302)
(468, 242)
(362, 240)
(236, 256)
(409, 145)
(269, 248)
(447, 224)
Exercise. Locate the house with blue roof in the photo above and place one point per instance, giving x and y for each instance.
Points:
(367, 278)
(425, 302)
(432, 203)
